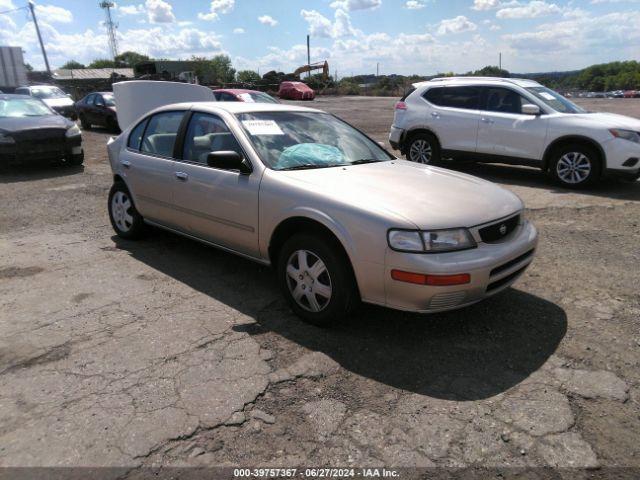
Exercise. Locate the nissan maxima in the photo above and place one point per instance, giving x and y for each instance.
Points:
(340, 219)
(31, 131)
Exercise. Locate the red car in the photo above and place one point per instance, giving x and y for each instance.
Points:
(296, 91)
(242, 95)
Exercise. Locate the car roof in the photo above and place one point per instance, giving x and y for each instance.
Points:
(238, 107)
(522, 82)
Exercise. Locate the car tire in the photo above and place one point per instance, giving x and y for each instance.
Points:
(575, 166)
(84, 123)
(125, 219)
(319, 293)
(423, 148)
(112, 125)
(75, 160)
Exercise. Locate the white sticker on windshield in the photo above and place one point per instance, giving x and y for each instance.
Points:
(262, 127)
(548, 96)
(247, 98)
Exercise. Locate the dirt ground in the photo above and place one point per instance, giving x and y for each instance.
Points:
(167, 352)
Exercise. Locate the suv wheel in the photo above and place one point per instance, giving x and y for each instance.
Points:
(575, 166)
(125, 219)
(316, 279)
(423, 148)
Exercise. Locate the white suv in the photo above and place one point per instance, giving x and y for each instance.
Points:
(514, 121)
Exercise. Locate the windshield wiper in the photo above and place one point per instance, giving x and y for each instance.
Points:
(365, 160)
(306, 166)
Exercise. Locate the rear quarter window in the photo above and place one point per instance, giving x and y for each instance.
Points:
(135, 137)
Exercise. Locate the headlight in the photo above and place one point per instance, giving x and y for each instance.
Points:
(73, 131)
(431, 241)
(626, 134)
(6, 140)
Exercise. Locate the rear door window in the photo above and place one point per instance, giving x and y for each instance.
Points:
(135, 137)
(161, 133)
(454, 97)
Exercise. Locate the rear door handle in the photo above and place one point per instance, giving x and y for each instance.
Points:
(125, 163)
(486, 120)
(182, 176)
(435, 114)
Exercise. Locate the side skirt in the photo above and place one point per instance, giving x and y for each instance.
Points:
(489, 158)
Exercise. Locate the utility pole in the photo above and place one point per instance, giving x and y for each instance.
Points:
(500, 60)
(378, 69)
(111, 28)
(308, 57)
(35, 22)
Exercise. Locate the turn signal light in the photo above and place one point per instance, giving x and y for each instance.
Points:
(401, 106)
(435, 280)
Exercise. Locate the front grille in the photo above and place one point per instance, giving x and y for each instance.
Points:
(45, 142)
(505, 280)
(511, 263)
(499, 230)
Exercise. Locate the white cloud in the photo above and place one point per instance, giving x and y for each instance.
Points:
(458, 24)
(6, 5)
(321, 26)
(159, 11)
(238, 30)
(53, 14)
(414, 5)
(216, 8)
(485, 4)
(349, 5)
(533, 9)
(268, 20)
(131, 9)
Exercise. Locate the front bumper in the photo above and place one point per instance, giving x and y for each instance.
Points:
(54, 149)
(623, 158)
(493, 267)
(395, 137)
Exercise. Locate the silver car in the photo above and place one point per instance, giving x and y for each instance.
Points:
(340, 219)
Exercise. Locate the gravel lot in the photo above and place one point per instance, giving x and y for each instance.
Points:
(166, 352)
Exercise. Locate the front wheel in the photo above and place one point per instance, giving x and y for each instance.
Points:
(84, 122)
(316, 280)
(575, 166)
(125, 219)
(423, 148)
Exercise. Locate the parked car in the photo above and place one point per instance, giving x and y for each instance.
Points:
(514, 121)
(631, 94)
(242, 95)
(341, 219)
(296, 91)
(98, 108)
(30, 130)
(54, 97)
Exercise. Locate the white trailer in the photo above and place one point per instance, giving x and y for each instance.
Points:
(12, 71)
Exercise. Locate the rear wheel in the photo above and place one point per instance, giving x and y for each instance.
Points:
(316, 280)
(423, 148)
(125, 219)
(575, 166)
(112, 125)
(84, 122)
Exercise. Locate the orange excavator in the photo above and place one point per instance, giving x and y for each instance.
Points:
(324, 66)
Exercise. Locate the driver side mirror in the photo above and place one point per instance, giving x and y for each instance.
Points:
(530, 109)
(228, 160)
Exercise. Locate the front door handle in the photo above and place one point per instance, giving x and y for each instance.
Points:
(435, 114)
(486, 120)
(182, 176)
(125, 163)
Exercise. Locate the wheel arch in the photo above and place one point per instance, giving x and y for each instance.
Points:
(414, 131)
(572, 139)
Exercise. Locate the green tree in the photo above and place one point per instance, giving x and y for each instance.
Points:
(72, 65)
(247, 76)
(28, 67)
(102, 63)
(491, 71)
(214, 70)
(131, 59)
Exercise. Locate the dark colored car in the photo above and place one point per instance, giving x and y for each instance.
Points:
(30, 131)
(98, 108)
(296, 91)
(53, 97)
(242, 95)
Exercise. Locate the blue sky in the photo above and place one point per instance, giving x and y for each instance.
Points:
(404, 36)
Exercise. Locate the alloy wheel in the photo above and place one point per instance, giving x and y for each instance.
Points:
(120, 211)
(308, 281)
(573, 167)
(420, 151)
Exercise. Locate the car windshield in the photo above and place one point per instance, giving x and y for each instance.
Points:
(258, 97)
(109, 101)
(23, 107)
(47, 92)
(300, 140)
(555, 100)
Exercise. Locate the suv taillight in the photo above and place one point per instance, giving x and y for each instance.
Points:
(401, 106)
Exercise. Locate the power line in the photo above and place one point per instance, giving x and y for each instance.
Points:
(13, 10)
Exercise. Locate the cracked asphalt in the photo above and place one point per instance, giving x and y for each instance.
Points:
(167, 352)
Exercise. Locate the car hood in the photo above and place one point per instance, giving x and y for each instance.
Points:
(428, 197)
(610, 120)
(58, 102)
(10, 125)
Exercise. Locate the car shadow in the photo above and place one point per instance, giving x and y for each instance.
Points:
(536, 178)
(28, 172)
(469, 354)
